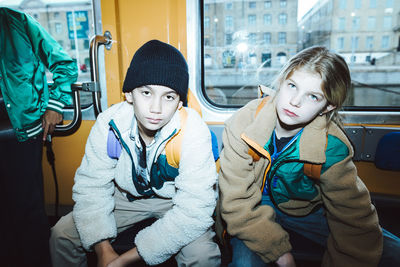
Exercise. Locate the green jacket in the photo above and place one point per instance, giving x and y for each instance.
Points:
(26, 50)
(355, 238)
(286, 179)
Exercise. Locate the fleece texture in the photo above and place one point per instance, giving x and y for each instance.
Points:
(193, 191)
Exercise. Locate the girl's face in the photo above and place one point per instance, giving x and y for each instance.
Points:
(300, 99)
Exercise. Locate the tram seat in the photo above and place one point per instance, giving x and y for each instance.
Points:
(387, 156)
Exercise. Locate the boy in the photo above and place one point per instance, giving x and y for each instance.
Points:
(112, 194)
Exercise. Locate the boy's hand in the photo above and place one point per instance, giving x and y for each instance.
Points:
(286, 260)
(105, 253)
(125, 259)
(50, 119)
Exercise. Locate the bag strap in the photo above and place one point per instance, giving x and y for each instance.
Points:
(173, 146)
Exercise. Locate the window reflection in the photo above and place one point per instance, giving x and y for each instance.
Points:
(256, 38)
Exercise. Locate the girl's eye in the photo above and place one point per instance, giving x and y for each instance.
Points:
(314, 97)
(291, 85)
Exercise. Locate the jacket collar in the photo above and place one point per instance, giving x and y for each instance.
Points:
(313, 140)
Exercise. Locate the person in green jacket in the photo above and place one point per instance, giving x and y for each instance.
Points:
(30, 109)
(286, 167)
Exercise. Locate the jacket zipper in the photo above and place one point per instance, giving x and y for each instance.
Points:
(270, 180)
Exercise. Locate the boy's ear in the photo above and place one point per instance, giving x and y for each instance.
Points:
(129, 97)
(328, 108)
(180, 105)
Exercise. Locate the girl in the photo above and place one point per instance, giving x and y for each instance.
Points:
(294, 150)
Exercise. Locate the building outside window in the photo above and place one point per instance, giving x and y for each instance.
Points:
(342, 24)
(282, 19)
(372, 3)
(340, 43)
(387, 22)
(282, 3)
(357, 4)
(228, 38)
(229, 23)
(282, 38)
(252, 38)
(354, 43)
(342, 4)
(355, 23)
(58, 27)
(385, 42)
(252, 5)
(267, 37)
(206, 41)
(371, 21)
(72, 43)
(267, 4)
(252, 19)
(369, 42)
(267, 19)
(206, 22)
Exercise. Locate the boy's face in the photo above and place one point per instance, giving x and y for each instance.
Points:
(154, 106)
(301, 99)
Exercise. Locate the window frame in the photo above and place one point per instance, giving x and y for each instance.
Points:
(219, 112)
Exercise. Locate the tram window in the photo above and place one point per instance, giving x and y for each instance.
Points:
(70, 22)
(246, 45)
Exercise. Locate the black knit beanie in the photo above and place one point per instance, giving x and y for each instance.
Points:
(158, 63)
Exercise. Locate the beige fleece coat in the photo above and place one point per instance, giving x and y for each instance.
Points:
(355, 238)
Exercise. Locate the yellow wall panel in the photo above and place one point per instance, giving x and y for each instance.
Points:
(68, 151)
(379, 181)
(133, 23)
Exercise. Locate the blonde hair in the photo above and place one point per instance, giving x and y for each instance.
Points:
(333, 70)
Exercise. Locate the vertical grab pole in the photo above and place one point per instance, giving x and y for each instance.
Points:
(95, 42)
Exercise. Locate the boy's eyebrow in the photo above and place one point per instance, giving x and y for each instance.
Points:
(167, 92)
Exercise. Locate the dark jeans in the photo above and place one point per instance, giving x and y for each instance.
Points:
(24, 225)
(315, 228)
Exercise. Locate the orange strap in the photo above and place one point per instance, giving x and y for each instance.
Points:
(261, 105)
(312, 170)
(173, 146)
(254, 154)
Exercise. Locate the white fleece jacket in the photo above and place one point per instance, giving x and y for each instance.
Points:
(193, 191)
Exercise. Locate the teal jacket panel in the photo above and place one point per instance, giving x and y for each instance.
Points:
(286, 179)
(160, 171)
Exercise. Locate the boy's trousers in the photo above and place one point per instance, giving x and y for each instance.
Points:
(66, 249)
